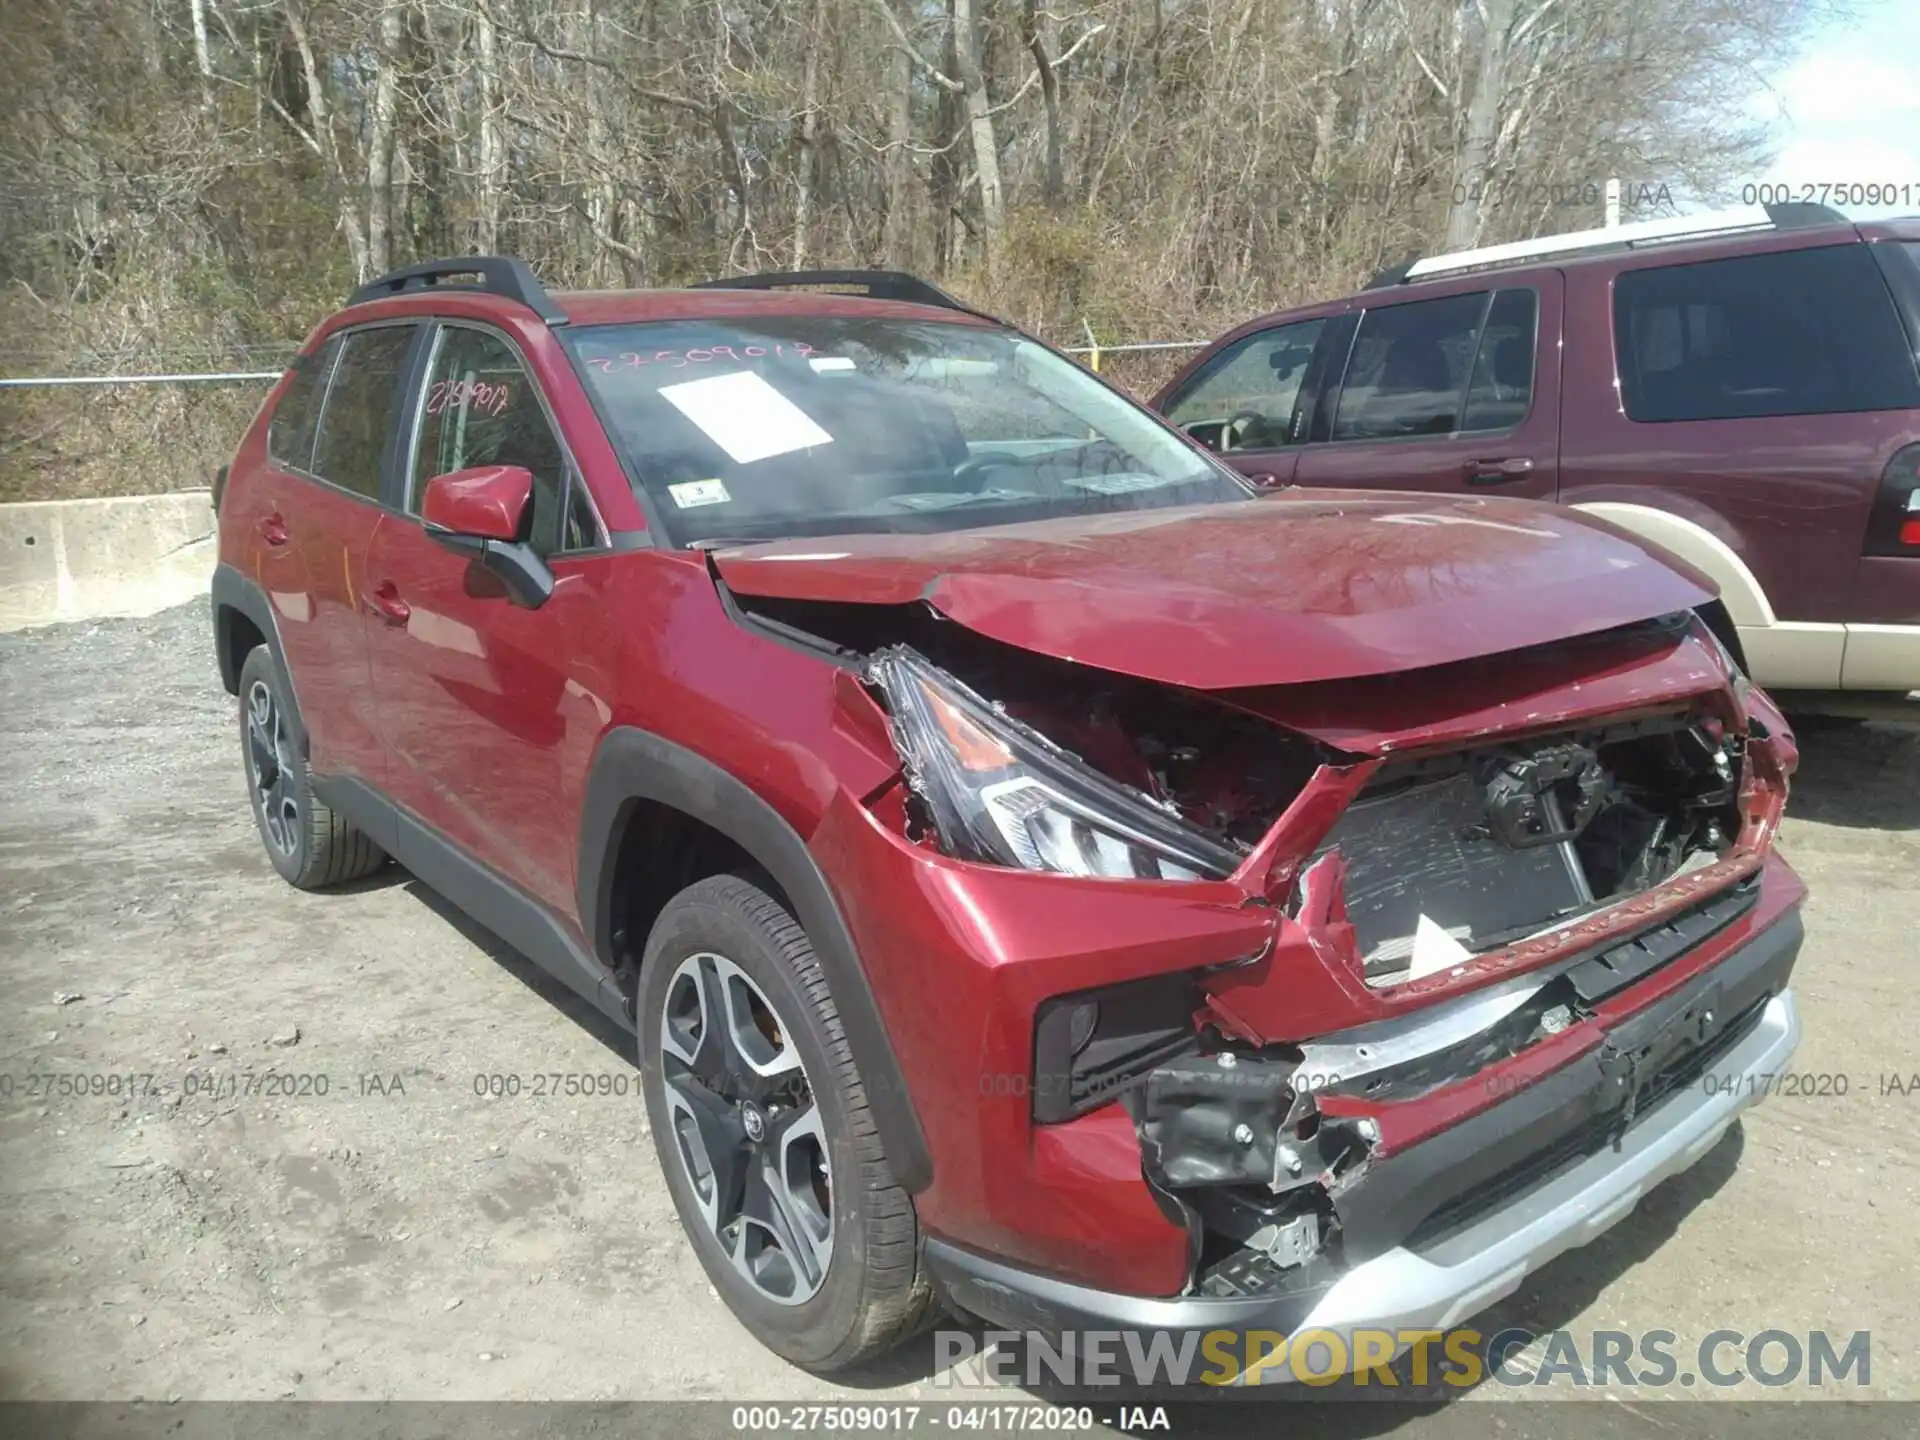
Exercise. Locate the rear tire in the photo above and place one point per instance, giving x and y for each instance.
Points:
(763, 1129)
(310, 845)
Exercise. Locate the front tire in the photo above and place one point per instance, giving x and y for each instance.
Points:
(310, 845)
(762, 1126)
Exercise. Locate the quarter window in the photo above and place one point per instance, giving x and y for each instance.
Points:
(1795, 332)
(1247, 396)
(357, 416)
(480, 408)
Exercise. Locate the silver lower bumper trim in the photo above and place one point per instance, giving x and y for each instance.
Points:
(1429, 1286)
(1437, 1286)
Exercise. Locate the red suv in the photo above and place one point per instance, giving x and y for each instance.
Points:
(1038, 871)
(1740, 389)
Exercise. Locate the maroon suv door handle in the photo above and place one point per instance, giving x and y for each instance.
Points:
(273, 529)
(386, 601)
(1499, 471)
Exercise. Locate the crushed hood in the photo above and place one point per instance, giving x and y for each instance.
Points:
(1324, 586)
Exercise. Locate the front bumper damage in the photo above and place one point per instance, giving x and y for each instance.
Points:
(1446, 1227)
(1498, 927)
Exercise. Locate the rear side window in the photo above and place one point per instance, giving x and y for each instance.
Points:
(1798, 332)
(1501, 391)
(290, 434)
(1408, 374)
(361, 403)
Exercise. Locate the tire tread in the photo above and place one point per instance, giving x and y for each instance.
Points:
(898, 1299)
(336, 851)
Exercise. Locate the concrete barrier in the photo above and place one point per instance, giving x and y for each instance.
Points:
(119, 555)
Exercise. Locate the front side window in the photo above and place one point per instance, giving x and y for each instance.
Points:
(814, 425)
(1248, 395)
(1796, 332)
(357, 416)
(1408, 370)
(290, 433)
(479, 407)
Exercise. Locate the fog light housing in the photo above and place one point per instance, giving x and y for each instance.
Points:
(1091, 1046)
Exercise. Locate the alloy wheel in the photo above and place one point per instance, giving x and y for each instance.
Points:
(270, 769)
(747, 1128)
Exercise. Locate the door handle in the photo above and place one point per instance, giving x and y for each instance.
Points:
(273, 529)
(1498, 471)
(387, 603)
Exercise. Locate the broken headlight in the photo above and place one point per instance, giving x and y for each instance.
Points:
(999, 791)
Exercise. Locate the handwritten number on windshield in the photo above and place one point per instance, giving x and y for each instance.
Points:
(681, 359)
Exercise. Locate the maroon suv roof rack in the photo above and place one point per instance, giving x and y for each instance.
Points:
(1783, 215)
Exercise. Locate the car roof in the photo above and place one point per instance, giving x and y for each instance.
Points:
(1688, 250)
(615, 307)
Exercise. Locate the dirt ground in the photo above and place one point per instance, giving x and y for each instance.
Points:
(401, 1236)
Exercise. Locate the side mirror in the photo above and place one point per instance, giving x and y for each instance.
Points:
(1265, 481)
(1207, 434)
(479, 513)
(487, 502)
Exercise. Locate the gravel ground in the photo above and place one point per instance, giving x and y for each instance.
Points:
(400, 1236)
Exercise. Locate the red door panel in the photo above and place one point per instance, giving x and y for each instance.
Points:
(311, 544)
(487, 731)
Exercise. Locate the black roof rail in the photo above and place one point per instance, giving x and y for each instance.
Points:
(866, 284)
(1392, 275)
(1800, 214)
(498, 275)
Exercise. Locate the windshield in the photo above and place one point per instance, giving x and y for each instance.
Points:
(786, 425)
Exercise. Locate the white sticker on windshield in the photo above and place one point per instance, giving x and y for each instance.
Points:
(745, 416)
(825, 363)
(690, 493)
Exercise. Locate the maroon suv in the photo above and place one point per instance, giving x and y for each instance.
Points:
(1038, 871)
(1740, 389)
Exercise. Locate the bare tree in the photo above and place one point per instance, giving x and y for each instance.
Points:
(223, 169)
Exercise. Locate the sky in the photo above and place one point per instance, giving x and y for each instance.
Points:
(1846, 108)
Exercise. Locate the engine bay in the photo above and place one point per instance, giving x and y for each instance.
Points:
(1457, 854)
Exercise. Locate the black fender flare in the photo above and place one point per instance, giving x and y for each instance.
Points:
(234, 593)
(635, 765)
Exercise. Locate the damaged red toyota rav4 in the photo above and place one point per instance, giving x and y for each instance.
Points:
(1040, 874)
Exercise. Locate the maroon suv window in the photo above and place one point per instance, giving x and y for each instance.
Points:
(1408, 373)
(1500, 390)
(1248, 396)
(1796, 332)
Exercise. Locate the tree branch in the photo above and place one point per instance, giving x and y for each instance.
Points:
(945, 82)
